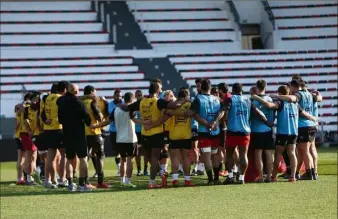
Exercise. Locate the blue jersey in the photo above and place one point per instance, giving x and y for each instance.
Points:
(287, 118)
(256, 124)
(111, 107)
(209, 106)
(306, 103)
(138, 127)
(194, 123)
(239, 114)
(161, 95)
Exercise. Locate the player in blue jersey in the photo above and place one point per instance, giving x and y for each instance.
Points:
(259, 131)
(238, 110)
(112, 129)
(287, 127)
(307, 127)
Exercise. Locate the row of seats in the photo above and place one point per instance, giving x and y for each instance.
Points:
(105, 73)
(51, 24)
(317, 67)
(180, 23)
(305, 24)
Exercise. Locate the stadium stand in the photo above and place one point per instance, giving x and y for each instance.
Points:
(305, 24)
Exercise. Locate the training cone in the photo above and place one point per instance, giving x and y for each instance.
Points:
(302, 169)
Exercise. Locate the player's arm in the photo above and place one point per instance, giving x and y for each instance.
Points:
(266, 104)
(131, 107)
(317, 97)
(175, 104)
(106, 122)
(26, 122)
(287, 98)
(260, 115)
(306, 115)
(96, 111)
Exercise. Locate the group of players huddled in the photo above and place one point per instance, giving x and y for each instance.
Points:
(213, 128)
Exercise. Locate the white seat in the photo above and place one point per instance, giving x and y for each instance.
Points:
(308, 32)
(252, 65)
(83, 16)
(328, 119)
(70, 70)
(327, 110)
(295, 2)
(55, 38)
(254, 72)
(170, 15)
(173, 4)
(66, 62)
(185, 25)
(44, 6)
(110, 85)
(191, 36)
(306, 21)
(74, 77)
(304, 11)
(329, 128)
(311, 43)
(278, 79)
(14, 28)
(251, 57)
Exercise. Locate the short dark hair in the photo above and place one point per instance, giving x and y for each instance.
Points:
(198, 80)
(183, 88)
(153, 88)
(295, 83)
(156, 80)
(127, 97)
(139, 91)
(214, 90)
(183, 93)
(117, 91)
(88, 89)
(54, 88)
(261, 85)
(205, 84)
(284, 90)
(62, 85)
(237, 88)
(223, 87)
(297, 77)
(27, 96)
(34, 95)
(288, 84)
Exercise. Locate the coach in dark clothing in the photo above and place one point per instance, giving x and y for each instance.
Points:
(73, 116)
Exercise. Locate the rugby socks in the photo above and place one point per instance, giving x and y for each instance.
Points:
(241, 177)
(231, 175)
(123, 179)
(201, 167)
(100, 177)
(42, 173)
(138, 168)
(220, 166)
(118, 162)
(29, 178)
(180, 167)
(152, 182)
(209, 174)
(81, 181)
(186, 178)
(164, 167)
(70, 181)
(195, 166)
(216, 176)
(145, 167)
(25, 175)
(127, 180)
(174, 176)
(235, 169)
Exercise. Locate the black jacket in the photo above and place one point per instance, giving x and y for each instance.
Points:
(73, 116)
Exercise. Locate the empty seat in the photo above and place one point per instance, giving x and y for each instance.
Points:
(304, 11)
(83, 16)
(46, 6)
(179, 15)
(185, 25)
(22, 28)
(308, 32)
(177, 36)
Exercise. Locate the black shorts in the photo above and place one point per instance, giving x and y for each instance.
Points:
(262, 141)
(95, 144)
(139, 138)
(113, 140)
(127, 149)
(53, 139)
(75, 148)
(194, 135)
(166, 138)
(38, 140)
(180, 144)
(306, 134)
(153, 141)
(284, 140)
(18, 144)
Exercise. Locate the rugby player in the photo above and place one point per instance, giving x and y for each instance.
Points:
(261, 138)
(238, 110)
(112, 129)
(54, 137)
(94, 139)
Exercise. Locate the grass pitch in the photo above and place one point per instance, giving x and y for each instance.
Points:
(303, 199)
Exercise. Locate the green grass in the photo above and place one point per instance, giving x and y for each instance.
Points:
(303, 199)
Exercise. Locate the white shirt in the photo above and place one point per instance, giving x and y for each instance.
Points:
(125, 127)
